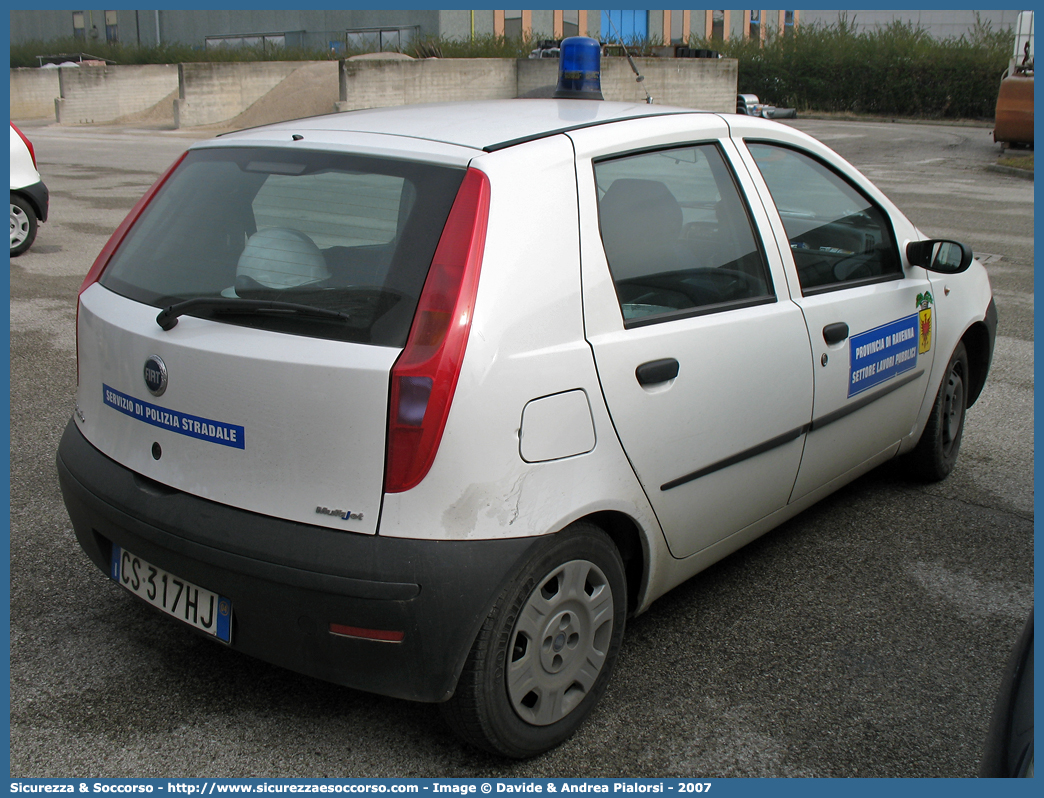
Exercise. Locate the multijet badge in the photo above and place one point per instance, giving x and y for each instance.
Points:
(155, 375)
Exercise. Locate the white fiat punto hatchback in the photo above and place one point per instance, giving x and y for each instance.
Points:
(428, 400)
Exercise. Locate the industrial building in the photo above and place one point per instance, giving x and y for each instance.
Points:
(380, 30)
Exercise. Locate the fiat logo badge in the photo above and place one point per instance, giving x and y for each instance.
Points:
(155, 375)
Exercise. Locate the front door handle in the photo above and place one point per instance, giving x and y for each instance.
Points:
(656, 371)
(835, 333)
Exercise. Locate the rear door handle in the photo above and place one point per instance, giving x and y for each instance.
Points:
(835, 333)
(657, 371)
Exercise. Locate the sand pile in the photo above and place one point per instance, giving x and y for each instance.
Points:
(307, 91)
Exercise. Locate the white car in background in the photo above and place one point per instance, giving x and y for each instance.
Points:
(428, 400)
(29, 198)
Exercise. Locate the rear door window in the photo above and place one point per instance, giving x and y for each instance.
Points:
(339, 232)
(677, 234)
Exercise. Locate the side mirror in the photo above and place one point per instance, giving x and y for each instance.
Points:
(939, 255)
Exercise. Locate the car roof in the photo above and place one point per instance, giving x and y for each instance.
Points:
(484, 125)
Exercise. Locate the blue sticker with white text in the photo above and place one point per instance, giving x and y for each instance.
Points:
(880, 354)
(205, 429)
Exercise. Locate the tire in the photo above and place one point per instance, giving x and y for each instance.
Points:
(936, 453)
(23, 225)
(547, 648)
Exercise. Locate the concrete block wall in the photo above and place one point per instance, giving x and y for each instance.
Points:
(33, 92)
(93, 94)
(246, 94)
(705, 83)
(213, 92)
(378, 84)
(537, 77)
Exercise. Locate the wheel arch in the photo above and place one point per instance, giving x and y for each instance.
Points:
(29, 199)
(634, 550)
(979, 344)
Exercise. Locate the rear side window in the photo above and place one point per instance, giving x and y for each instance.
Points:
(677, 235)
(325, 230)
(838, 236)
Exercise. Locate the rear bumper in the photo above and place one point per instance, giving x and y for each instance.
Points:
(38, 195)
(288, 582)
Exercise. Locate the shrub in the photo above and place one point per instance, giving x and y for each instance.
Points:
(894, 70)
(486, 46)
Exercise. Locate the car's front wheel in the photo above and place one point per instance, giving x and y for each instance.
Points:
(936, 453)
(546, 650)
(23, 225)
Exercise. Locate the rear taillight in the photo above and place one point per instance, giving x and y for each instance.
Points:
(110, 247)
(425, 374)
(28, 145)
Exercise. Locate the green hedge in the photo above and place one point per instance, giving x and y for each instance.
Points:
(896, 70)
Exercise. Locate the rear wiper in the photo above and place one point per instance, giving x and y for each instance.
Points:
(168, 317)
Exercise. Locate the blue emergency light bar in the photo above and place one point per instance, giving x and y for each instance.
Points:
(579, 69)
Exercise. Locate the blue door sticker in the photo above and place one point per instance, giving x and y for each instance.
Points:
(878, 355)
(194, 426)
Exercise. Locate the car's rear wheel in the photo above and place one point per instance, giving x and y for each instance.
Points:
(936, 453)
(546, 650)
(23, 225)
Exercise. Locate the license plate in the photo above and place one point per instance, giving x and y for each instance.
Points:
(178, 597)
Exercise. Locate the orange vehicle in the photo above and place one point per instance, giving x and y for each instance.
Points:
(1013, 123)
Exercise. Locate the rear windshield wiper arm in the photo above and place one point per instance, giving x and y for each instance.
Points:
(168, 317)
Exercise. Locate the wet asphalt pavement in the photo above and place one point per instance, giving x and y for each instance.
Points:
(865, 637)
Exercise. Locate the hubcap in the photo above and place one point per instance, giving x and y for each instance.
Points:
(953, 408)
(560, 642)
(19, 226)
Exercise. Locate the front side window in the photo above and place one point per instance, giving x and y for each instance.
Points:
(677, 235)
(343, 233)
(838, 236)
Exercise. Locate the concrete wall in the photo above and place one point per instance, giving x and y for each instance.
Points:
(705, 83)
(33, 92)
(241, 95)
(537, 77)
(377, 84)
(213, 92)
(93, 94)
(708, 84)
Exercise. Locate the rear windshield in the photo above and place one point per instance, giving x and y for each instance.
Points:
(322, 230)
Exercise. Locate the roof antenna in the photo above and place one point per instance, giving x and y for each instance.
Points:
(640, 78)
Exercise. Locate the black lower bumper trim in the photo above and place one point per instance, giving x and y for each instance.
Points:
(289, 582)
(36, 194)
